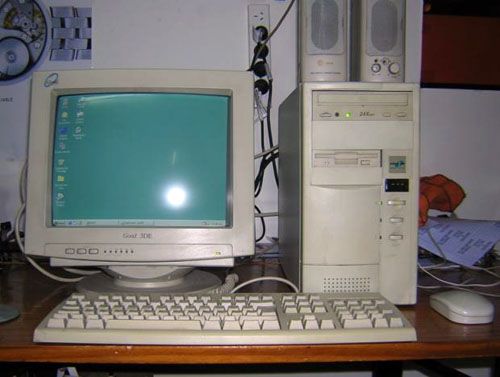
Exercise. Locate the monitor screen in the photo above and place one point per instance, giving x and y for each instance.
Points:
(141, 160)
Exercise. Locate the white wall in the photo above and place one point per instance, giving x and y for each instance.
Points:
(460, 138)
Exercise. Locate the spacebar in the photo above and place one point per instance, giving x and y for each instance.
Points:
(153, 325)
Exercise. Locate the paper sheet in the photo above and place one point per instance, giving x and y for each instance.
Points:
(461, 241)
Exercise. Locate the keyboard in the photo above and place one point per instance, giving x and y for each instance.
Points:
(225, 319)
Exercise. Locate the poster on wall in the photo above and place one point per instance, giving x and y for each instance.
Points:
(34, 35)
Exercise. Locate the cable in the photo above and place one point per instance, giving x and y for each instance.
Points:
(268, 156)
(269, 130)
(467, 285)
(227, 286)
(262, 221)
(260, 106)
(266, 152)
(17, 234)
(259, 179)
(267, 214)
(444, 265)
(78, 271)
(266, 278)
(430, 287)
(22, 182)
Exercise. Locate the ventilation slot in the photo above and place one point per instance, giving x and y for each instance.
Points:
(354, 284)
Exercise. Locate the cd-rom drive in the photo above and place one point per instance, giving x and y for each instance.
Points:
(348, 195)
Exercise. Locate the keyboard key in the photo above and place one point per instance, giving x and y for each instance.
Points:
(57, 323)
(357, 323)
(153, 325)
(231, 324)
(251, 325)
(75, 323)
(327, 324)
(296, 324)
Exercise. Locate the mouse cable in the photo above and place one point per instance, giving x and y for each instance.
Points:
(453, 284)
(431, 287)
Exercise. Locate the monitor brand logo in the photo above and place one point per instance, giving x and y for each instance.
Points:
(142, 236)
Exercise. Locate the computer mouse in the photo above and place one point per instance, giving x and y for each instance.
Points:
(463, 306)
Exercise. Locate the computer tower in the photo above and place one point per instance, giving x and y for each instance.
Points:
(378, 37)
(348, 193)
(324, 40)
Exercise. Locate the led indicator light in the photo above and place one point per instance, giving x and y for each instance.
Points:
(348, 115)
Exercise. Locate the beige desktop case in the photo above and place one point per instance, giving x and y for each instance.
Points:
(348, 193)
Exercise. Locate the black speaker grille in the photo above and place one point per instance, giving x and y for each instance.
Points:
(384, 25)
(324, 24)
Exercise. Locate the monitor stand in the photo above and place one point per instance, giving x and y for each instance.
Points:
(149, 279)
(7, 313)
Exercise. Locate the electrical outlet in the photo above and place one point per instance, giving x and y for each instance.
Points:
(258, 27)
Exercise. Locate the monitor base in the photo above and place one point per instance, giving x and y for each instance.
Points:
(7, 313)
(187, 281)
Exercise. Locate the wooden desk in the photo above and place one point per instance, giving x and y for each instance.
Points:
(34, 295)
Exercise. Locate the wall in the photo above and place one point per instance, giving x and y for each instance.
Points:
(460, 138)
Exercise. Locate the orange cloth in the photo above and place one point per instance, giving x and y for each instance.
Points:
(438, 192)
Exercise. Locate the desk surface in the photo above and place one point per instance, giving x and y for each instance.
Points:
(35, 295)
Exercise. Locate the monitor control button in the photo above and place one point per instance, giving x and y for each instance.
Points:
(81, 251)
(69, 250)
(93, 251)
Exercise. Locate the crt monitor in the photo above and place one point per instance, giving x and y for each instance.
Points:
(145, 173)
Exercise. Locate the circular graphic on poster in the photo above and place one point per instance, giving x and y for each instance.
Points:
(23, 37)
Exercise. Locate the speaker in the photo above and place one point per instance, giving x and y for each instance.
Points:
(379, 34)
(324, 42)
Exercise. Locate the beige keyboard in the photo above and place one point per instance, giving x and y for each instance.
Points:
(238, 319)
